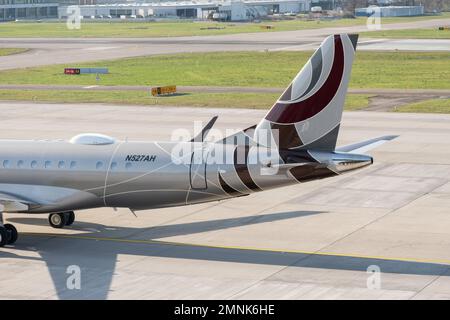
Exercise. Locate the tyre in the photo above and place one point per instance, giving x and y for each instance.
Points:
(57, 220)
(3, 236)
(70, 218)
(12, 233)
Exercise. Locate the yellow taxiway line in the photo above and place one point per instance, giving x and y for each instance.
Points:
(142, 241)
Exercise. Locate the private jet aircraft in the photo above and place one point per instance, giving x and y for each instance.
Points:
(294, 143)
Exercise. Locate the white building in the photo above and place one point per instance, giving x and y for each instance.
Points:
(27, 9)
(392, 11)
(228, 10)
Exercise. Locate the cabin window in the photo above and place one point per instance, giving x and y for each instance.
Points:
(99, 165)
(6, 164)
(48, 164)
(61, 165)
(20, 163)
(128, 165)
(113, 165)
(33, 164)
(73, 164)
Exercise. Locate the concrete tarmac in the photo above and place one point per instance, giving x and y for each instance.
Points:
(310, 241)
(46, 51)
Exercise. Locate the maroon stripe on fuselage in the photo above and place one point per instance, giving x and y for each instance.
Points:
(241, 167)
(299, 111)
(287, 136)
(227, 188)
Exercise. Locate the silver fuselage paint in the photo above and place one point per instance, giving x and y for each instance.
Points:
(57, 176)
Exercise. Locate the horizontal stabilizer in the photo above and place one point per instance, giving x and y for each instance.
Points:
(244, 137)
(202, 135)
(363, 147)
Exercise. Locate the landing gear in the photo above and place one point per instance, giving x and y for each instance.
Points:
(62, 219)
(12, 233)
(8, 233)
(3, 236)
(71, 218)
(57, 220)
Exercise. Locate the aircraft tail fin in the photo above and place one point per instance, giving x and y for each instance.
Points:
(308, 113)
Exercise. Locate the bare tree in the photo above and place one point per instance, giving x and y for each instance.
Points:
(446, 5)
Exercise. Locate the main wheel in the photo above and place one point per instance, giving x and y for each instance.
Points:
(70, 218)
(3, 236)
(57, 220)
(12, 233)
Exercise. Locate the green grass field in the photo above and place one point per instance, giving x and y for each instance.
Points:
(178, 28)
(402, 70)
(157, 29)
(427, 106)
(9, 51)
(213, 100)
(355, 102)
(409, 34)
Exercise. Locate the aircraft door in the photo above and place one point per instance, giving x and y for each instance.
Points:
(198, 168)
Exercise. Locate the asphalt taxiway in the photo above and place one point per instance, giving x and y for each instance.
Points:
(44, 51)
(380, 99)
(310, 241)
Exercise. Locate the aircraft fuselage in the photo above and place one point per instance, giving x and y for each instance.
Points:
(137, 175)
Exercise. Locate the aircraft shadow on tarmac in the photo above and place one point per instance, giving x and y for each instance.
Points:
(99, 258)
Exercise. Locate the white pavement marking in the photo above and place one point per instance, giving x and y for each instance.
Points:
(99, 48)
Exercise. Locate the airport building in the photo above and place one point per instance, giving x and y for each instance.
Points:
(27, 9)
(392, 11)
(218, 10)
